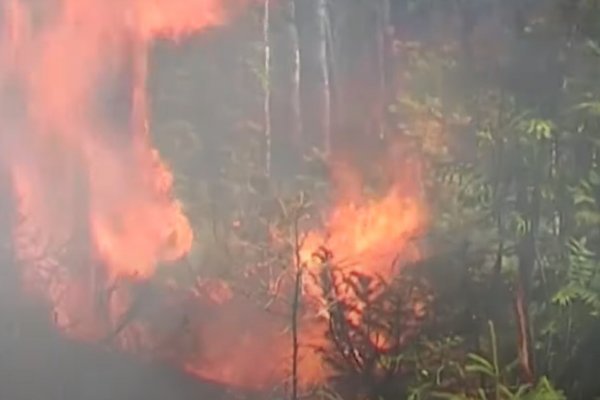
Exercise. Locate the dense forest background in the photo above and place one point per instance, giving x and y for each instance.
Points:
(500, 102)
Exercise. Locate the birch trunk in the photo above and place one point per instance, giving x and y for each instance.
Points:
(324, 70)
(267, 86)
(314, 74)
(286, 125)
(383, 63)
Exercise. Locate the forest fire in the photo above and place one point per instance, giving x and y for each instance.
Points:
(363, 238)
(368, 237)
(98, 215)
(77, 176)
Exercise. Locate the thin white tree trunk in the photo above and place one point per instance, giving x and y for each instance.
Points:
(383, 43)
(295, 95)
(267, 87)
(323, 61)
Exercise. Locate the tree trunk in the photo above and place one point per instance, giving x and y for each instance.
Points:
(323, 66)
(266, 24)
(383, 64)
(286, 124)
(526, 253)
(314, 74)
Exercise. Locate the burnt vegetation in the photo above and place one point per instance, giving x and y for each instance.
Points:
(499, 100)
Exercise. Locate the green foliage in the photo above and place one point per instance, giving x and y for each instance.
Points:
(520, 173)
(478, 367)
(582, 283)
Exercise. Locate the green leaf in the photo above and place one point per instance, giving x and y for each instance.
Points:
(540, 129)
(479, 360)
(592, 107)
(506, 391)
(474, 369)
(482, 394)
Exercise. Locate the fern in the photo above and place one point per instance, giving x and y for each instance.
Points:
(583, 269)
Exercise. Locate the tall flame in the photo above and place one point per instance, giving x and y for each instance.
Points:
(77, 145)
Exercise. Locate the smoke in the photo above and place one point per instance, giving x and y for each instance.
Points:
(95, 204)
(94, 198)
(76, 168)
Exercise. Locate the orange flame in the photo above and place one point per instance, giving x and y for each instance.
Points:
(96, 200)
(366, 236)
(78, 175)
(371, 236)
